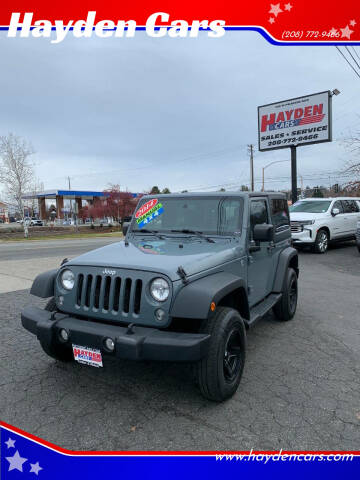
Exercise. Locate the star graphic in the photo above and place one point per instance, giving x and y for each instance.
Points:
(352, 23)
(271, 19)
(35, 468)
(16, 462)
(346, 32)
(275, 9)
(333, 32)
(10, 443)
(288, 7)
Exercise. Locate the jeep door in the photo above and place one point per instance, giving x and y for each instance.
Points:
(280, 218)
(260, 259)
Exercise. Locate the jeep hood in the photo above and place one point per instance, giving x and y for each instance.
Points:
(162, 256)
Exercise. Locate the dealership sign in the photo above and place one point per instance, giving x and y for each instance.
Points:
(298, 121)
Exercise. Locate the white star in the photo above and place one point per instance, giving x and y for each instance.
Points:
(275, 9)
(288, 7)
(10, 443)
(271, 19)
(16, 462)
(346, 32)
(333, 32)
(352, 23)
(35, 468)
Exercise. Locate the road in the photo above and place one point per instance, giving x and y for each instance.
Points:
(20, 262)
(300, 389)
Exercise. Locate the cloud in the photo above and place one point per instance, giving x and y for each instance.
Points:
(169, 112)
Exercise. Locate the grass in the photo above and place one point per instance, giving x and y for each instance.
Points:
(61, 237)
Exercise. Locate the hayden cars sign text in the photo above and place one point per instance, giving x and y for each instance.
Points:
(298, 121)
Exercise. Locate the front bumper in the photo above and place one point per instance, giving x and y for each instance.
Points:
(143, 343)
(305, 237)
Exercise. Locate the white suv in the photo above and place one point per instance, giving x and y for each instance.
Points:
(318, 221)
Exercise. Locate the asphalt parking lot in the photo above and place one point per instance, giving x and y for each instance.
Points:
(300, 389)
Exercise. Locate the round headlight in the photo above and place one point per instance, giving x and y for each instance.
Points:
(67, 279)
(159, 289)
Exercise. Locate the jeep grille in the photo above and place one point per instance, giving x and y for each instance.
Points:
(107, 293)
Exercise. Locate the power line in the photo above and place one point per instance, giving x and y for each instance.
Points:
(352, 56)
(349, 63)
(355, 52)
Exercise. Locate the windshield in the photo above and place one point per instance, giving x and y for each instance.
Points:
(208, 215)
(317, 206)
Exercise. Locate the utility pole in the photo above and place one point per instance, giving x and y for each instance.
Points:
(251, 151)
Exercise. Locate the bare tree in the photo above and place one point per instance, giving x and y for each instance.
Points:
(352, 165)
(16, 170)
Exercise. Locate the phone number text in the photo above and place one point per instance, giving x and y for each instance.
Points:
(311, 34)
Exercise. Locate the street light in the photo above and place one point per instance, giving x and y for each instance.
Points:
(335, 92)
(266, 166)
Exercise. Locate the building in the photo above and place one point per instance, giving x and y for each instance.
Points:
(4, 212)
(62, 202)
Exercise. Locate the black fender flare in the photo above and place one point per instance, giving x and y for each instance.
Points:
(44, 284)
(194, 299)
(288, 256)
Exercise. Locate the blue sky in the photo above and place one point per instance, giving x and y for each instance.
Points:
(170, 112)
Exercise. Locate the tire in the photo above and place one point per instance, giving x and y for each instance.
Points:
(61, 353)
(358, 246)
(321, 241)
(285, 309)
(220, 372)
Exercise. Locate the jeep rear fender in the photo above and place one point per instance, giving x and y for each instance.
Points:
(43, 285)
(194, 299)
(287, 258)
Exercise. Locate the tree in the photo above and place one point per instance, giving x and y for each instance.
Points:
(317, 193)
(155, 190)
(352, 164)
(166, 191)
(115, 204)
(222, 189)
(244, 188)
(16, 170)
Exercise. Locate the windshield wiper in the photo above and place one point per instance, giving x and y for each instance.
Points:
(153, 232)
(194, 232)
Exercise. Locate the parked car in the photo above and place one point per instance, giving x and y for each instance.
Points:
(36, 222)
(318, 221)
(126, 219)
(358, 236)
(193, 274)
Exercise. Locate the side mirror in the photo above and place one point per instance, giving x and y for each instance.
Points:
(125, 227)
(335, 211)
(263, 233)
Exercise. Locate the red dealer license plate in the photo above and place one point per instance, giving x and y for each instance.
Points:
(88, 356)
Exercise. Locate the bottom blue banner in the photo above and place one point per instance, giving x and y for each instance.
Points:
(24, 456)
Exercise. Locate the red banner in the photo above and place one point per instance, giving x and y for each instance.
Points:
(288, 21)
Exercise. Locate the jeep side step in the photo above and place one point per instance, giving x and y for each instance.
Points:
(260, 309)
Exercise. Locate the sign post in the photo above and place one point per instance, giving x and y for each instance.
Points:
(293, 123)
(293, 175)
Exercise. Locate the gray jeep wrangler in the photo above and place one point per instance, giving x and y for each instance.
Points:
(194, 272)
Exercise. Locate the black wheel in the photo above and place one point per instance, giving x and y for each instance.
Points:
(286, 307)
(358, 246)
(219, 373)
(58, 352)
(321, 242)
